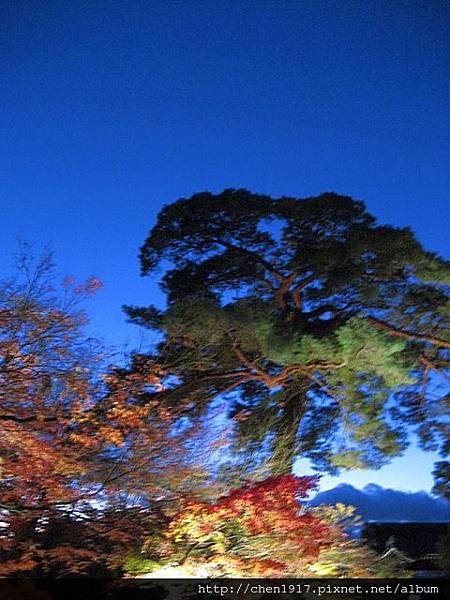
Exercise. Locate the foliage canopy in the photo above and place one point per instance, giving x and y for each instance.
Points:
(330, 330)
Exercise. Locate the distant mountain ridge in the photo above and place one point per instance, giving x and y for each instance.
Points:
(375, 503)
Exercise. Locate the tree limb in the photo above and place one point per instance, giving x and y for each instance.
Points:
(410, 335)
(29, 419)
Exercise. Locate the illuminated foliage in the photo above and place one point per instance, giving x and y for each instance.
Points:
(70, 436)
(331, 331)
(262, 529)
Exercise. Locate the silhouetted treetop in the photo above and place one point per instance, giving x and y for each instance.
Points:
(291, 250)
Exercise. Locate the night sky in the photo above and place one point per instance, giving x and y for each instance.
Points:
(111, 109)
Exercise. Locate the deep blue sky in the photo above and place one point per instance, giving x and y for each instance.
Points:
(112, 108)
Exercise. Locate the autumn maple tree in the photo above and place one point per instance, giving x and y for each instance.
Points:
(265, 529)
(326, 332)
(75, 441)
(45, 388)
(250, 526)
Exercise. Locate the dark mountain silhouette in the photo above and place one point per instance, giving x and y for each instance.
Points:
(375, 503)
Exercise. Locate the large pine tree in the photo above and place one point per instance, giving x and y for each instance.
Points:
(326, 332)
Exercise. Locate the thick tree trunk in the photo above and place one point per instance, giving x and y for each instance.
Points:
(284, 447)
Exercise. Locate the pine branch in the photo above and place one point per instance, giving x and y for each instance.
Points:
(410, 335)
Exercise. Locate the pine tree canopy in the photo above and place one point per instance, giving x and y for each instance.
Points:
(326, 332)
